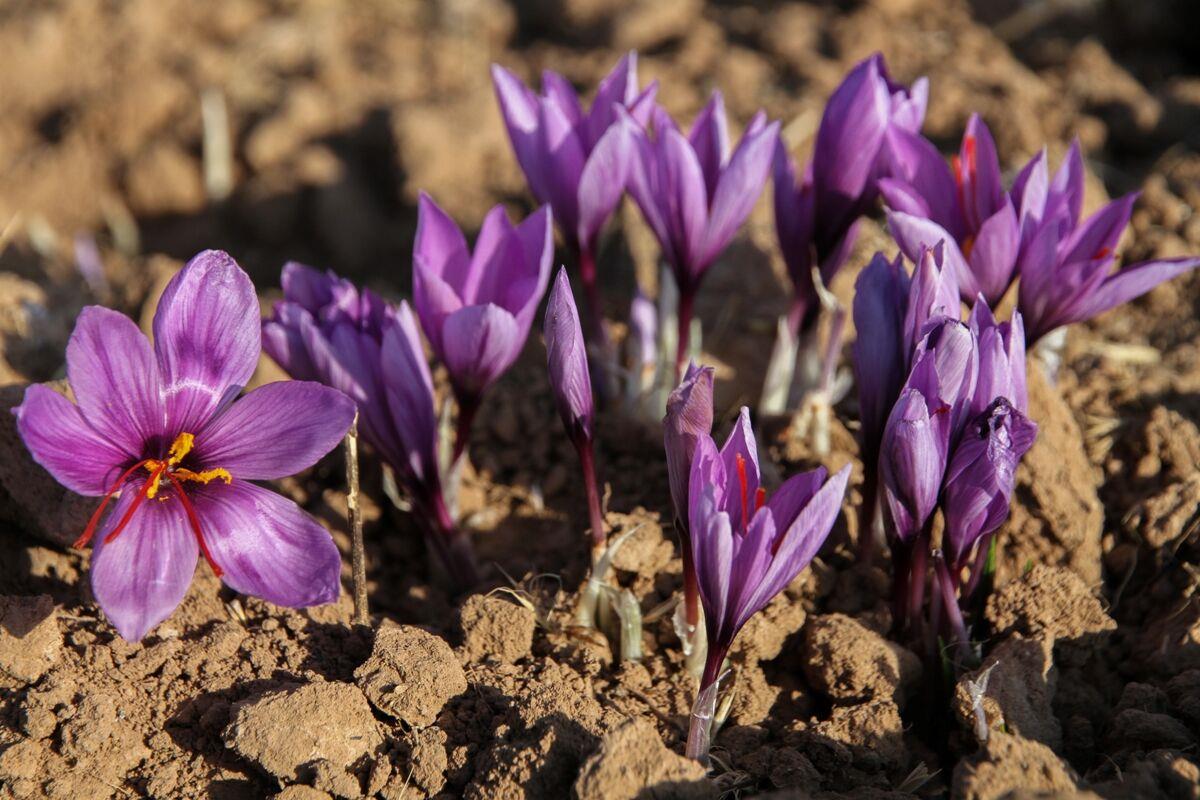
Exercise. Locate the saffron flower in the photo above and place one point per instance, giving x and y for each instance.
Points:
(577, 162)
(476, 308)
(816, 217)
(327, 330)
(157, 431)
(1065, 263)
(965, 207)
(694, 195)
(747, 548)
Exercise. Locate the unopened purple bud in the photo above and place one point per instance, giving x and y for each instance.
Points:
(566, 355)
(689, 416)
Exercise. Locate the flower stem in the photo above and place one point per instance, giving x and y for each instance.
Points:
(869, 512)
(587, 462)
(358, 558)
(704, 709)
(917, 567)
(453, 546)
(954, 618)
(468, 407)
(687, 299)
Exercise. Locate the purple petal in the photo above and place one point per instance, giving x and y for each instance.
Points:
(409, 396)
(646, 188)
(1097, 237)
(520, 109)
(208, 338)
(140, 577)
(900, 196)
(912, 462)
(643, 327)
(752, 556)
(603, 180)
(1029, 191)
(795, 219)
(535, 240)
(912, 234)
(979, 171)
(685, 199)
(567, 360)
(60, 439)
(642, 107)
(1133, 281)
(480, 342)
(565, 157)
(709, 138)
(560, 91)
(712, 547)
(793, 495)
(309, 288)
(798, 544)
(919, 165)
(738, 190)
(880, 360)
(933, 293)
(116, 380)
(266, 546)
(1066, 190)
(849, 139)
(619, 87)
(689, 416)
(440, 249)
(276, 430)
(993, 258)
(283, 341)
(435, 300)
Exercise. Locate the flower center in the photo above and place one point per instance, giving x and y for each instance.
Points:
(160, 469)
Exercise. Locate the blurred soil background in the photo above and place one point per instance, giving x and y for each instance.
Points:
(134, 134)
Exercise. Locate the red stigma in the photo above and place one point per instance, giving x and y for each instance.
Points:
(90, 530)
(1103, 252)
(190, 510)
(760, 498)
(741, 468)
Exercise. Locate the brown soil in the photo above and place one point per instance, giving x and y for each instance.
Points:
(338, 116)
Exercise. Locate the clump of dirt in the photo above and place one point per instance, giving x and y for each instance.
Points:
(1008, 765)
(411, 674)
(850, 662)
(30, 640)
(632, 763)
(494, 628)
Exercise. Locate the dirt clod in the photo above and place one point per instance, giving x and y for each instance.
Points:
(495, 628)
(411, 674)
(286, 732)
(851, 663)
(1009, 764)
(1048, 602)
(1020, 687)
(632, 763)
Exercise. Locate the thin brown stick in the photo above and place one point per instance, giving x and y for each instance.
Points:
(358, 558)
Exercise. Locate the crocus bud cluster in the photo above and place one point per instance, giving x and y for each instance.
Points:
(325, 329)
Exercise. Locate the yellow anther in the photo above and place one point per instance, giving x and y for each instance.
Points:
(207, 476)
(180, 448)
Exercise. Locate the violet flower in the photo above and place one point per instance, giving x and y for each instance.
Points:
(577, 162)
(694, 195)
(966, 208)
(476, 308)
(689, 416)
(325, 329)
(1065, 264)
(747, 548)
(161, 422)
(816, 218)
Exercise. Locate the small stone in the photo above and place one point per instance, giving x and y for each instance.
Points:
(411, 674)
(285, 731)
(30, 639)
(496, 629)
(632, 762)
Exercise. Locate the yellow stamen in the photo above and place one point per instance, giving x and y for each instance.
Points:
(180, 448)
(207, 476)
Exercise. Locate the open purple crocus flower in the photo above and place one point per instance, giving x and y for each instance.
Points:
(695, 195)
(577, 162)
(159, 429)
(965, 207)
(476, 308)
(746, 548)
(1065, 263)
(816, 218)
(327, 330)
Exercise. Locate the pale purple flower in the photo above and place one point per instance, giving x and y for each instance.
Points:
(816, 217)
(327, 330)
(1001, 359)
(1065, 263)
(694, 195)
(577, 162)
(476, 308)
(965, 207)
(159, 429)
(747, 548)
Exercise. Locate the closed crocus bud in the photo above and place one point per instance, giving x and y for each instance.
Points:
(567, 358)
(982, 472)
(880, 360)
(689, 416)
(965, 206)
(956, 364)
(933, 294)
